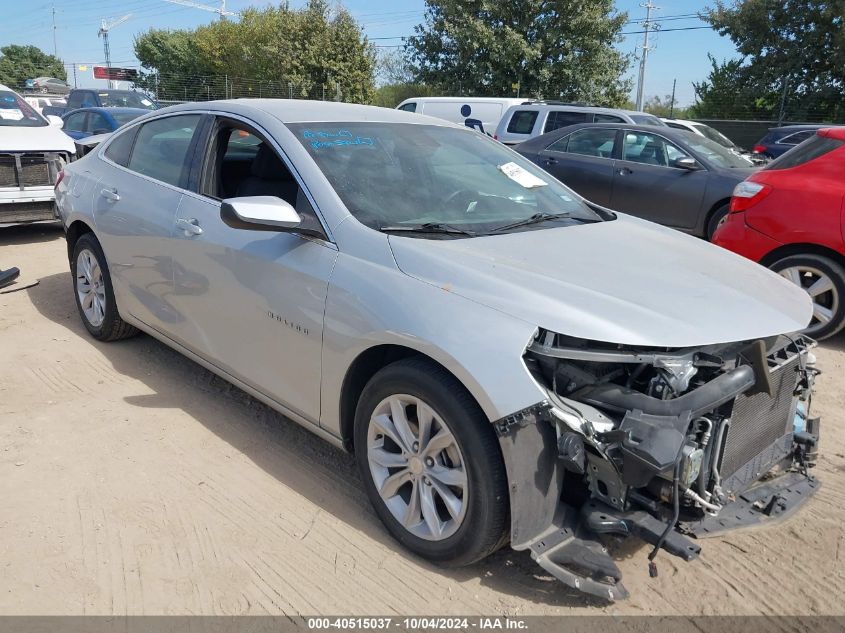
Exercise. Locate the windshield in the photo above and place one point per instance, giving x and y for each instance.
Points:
(717, 154)
(15, 112)
(715, 135)
(410, 175)
(126, 99)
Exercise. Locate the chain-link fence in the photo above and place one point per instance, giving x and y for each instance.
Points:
(167, 89)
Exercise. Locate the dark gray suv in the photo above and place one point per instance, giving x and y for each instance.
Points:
(659, 174)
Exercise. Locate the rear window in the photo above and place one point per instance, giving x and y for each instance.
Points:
(809, 150)
(647, 119)
(797, 137)
(522, 121)
(562, 118)
(608, 118)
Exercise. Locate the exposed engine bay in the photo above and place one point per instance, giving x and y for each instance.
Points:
(663, 444)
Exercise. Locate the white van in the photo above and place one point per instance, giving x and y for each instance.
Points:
(481, 113)
(527, 120)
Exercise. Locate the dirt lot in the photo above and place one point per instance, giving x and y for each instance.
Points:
(136, 482)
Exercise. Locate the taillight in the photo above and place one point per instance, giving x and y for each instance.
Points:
(759, 149)
(747, 194)
(59, 178)
(495, 137)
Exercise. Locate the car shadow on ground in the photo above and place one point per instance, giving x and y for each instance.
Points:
(298, 459)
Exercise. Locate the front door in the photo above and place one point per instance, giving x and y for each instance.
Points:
(252, 302)
(648, 186)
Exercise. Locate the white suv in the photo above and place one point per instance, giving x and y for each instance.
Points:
(522, 122)
(33, 150)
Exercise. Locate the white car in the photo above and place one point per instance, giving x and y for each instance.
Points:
(33, 150)
(40, 102)
(702, 129)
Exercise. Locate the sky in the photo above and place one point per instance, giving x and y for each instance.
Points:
(674, 54)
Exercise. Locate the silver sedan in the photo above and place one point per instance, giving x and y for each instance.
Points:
(509, 362)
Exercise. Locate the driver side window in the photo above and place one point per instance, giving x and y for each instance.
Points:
(244, 164)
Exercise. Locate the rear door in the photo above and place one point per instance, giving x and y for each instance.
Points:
(584, 161)
(144, 171)
(648, 186)
(249, 301)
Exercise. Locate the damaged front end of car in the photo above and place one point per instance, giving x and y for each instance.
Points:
(661, 444)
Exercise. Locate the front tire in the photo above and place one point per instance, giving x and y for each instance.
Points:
(824, 280)
(94, 294)
(431, 463)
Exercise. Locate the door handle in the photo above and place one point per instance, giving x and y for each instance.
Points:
(624, 171)
(190, 227)
(550, 161)
(110, 195)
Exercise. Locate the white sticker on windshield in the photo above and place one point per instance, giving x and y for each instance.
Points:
(12, 114)
(146, 102)
(520, 176)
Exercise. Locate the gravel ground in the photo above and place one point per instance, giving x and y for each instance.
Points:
(136, 482)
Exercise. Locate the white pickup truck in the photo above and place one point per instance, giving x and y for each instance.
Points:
(33, 149)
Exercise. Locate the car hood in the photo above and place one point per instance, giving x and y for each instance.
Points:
(625, 281)
(48, 138)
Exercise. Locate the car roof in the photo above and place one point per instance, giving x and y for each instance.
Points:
(543, 140)
(306, 111)
(798, 128)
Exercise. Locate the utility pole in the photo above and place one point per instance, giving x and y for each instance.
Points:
(55, 46)
(648, 6)
(672, 103)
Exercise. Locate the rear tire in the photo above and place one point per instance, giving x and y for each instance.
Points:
(94, 293)
(447, 457)
(824, 280)
(716, 220)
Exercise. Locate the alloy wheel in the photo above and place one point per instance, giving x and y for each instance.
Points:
(90, 288)
(417, 467)
(821, 289)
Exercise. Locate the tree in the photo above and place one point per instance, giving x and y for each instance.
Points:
(794, 48)
(393, 67)
(553, 49)
(664, 107)
(276, 51)
(730, 92)
(19, 63)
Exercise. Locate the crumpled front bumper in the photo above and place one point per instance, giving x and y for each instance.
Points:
(566, 539)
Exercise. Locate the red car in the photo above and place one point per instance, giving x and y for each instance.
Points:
(789, 217)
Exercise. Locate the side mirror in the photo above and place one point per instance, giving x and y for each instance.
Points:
(259, 213)
(686, 162)
(55, 121)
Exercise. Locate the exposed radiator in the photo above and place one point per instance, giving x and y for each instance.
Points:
(760, 433)
(29, 170)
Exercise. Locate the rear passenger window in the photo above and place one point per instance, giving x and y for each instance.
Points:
(596, 142)
(162, 146)
(562, 118)
(118, 150)
(522, 121)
